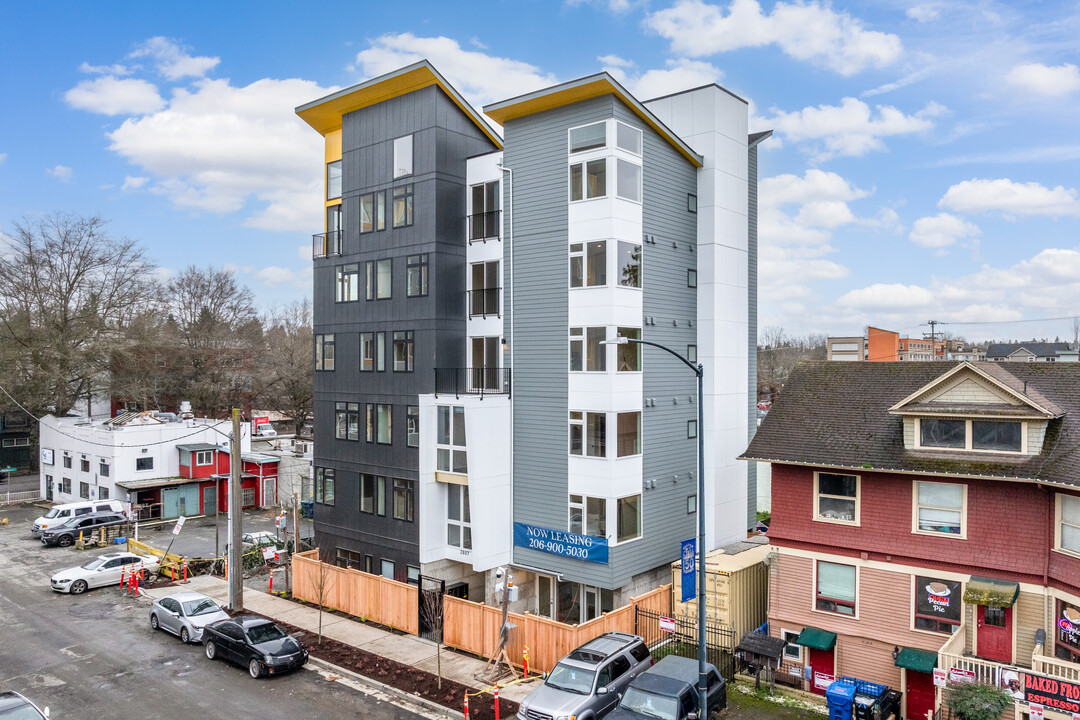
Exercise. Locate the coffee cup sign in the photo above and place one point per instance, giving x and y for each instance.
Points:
(1069, 624)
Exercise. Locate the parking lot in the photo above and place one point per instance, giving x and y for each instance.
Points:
(94, 655)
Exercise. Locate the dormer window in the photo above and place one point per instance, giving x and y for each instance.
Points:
(996, 436)
(942, 432)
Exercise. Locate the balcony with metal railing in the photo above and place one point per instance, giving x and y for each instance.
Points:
(484, 302)
(472, 381)
(326, 244)
(485, 226)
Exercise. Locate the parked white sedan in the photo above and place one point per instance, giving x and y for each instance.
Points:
(103, 570)
(185, 614)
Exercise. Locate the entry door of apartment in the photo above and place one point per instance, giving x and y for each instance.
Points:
(995, 633)
(821, 662)
(920, 695)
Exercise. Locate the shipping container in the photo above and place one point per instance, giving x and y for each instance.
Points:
(736, 586)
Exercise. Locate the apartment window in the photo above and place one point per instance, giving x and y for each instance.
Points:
(792, 650)
(347, 421)
(67, 461)
(588, 137)
(367, 352)
(348, 283)
(691, 202)
(103, 469)
(691, 278)
(629, 441)
(484, 295)
(144, 463)
(379, 277)
(333, 180)
(380, 351)
(412, 426)
(836, 588)
(404, 499)
(1069, 526)
(403, 206)
(333, 230)
(628, 180)
(202, 458)
(416, 275)
(577, 265)
(84, 465)
(596, 263)
(380, 210)
(324, 352)
(596, 434)
(324, 486)
(84, 490)
(937, 605)
(691, 504)
(577, 432)
(628, 263)
(588, 516)
(403, 350)
(458, 517)
(372, 212)
(451, 453)
(836, 498)
(347, 559)
(939, 508)
(577, 345)
(384, 415)
(380, 496)
(367, 493)
(103, 492)
(628, 514)
(629, 359)
(16, 442)
(588, 180)
(942, 432)
(628, 138)
(595, 352)
(388, 569)
(691, 429)
(403, 156)
(997, 435)
(65, 486)
(484, 221)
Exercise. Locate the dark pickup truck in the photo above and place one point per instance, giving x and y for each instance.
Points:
(668, 691)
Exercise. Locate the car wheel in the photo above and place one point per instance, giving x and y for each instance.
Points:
(211, 649)
(65, 541)
(154, 622)
(255, 668)
(78, 587)
(185, 637)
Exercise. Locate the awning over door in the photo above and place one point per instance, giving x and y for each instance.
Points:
(992, 592)
(817, 639)
(918, 660)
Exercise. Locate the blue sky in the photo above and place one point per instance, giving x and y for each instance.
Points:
(924, 161)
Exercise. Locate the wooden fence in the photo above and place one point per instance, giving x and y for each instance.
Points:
(474, 627)
(372, 597)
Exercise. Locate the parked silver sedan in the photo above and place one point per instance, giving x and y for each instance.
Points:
(185, 614)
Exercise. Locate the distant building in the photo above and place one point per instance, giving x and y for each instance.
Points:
(961, 350)
(846, 348)
(882, 345)
(15, 440)
(921, 349)
(1030, 352)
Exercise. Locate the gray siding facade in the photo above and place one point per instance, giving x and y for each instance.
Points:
(751, 334)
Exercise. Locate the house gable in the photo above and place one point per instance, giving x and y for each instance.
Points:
(968, 390)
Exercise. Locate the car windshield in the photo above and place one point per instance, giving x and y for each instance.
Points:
(24, 712)
(202, 606)
(646, 703)
(263, 633)
(53, 512)
(94, 564)
(572, 679)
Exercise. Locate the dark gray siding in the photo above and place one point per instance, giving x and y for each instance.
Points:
(442, 140)
(536, 150)
(751, 334)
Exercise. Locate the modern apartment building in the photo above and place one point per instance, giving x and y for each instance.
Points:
(468, 413)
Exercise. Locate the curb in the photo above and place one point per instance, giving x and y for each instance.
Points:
(383, 687)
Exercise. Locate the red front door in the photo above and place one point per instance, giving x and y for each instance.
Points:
(920, 695)
(995, 633)
(821, 663)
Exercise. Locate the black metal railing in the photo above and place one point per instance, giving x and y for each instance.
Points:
(484, 302)
(472, 381)
(484, 226)
(327, 243)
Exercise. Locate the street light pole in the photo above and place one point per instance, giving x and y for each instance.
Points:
(700, 372)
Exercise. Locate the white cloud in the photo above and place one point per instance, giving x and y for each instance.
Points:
(133, 183)
(274, 276)
(924, 12)
(614, 61)
(110, 95)
(173, 61)
(851, 128)
(61, 173)
(890, 297)
(481, 77)
(807, 31)
(1011, 198)
(941, 230)
(1045, 80)
(116, 69)
(3, 158)
(682, 74)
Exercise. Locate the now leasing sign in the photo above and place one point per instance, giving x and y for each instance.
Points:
(561, 542)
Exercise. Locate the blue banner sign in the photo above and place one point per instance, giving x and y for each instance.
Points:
(561, 542)
(689, 589)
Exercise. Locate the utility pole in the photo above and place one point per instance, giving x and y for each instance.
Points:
(933, 337)
(236, 499)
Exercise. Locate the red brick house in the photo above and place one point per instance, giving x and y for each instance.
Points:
(926, 517)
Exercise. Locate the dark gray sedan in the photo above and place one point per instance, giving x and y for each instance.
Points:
(255, 643)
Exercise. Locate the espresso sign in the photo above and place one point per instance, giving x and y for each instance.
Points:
(937, 598)
(1052, 693)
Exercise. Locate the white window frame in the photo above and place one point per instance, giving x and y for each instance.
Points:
(858, 501)
(640, 520)
(584, 164)
(1058, 501)
(462, 524)
(915, 530)
(198, 458)
(784, 635)
(968, 436)
(571, 152)
(450, 448)
(640, 134)
(583, 506)
(640, 180)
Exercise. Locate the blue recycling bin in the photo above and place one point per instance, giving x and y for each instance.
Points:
(840, 697)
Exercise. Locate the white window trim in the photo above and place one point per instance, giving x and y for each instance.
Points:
(915, 512)
(606, 146)
(583, 159)
(968, 447)
(911, 612)
(1057, 525)
(851, 562)
(613, 538)
(640, 133)
(858, 502)
(784, 632)
(640, 183)
(204, 464)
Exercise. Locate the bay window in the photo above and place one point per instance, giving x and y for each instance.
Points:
(588, 180)
(628, 180)
(596, 434)
(588, 516)
(629, 359)
(628, 513)
(458, 517)
(588, 137)
(629, 440)
(629, 264)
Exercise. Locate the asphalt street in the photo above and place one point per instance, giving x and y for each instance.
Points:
(94, 655)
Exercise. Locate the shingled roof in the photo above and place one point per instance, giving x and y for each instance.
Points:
(836, 414)
(1038, 349)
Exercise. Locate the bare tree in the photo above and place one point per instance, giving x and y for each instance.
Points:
(324, 583)
(286, 368)
(431, 613)
(778, 353)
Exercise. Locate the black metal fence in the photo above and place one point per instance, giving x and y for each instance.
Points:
(472, 381)
(682, 640)
(326, 244)
(430, 608)
(484, 226)
(484, 302)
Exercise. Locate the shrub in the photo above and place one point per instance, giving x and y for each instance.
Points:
(972, 701)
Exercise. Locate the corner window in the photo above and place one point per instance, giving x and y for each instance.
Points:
(588, 180)
(691, 278)
(403, 156)
(204, 458)
(403, 206)
(458, 517)
(628, 263)
(143, 463)
(412, 426)
(450, 441)
(333, 180)
(836, 498)
(628, 180)
(628, 514)
(836, 588)
(367, 352)
(588, 516)
(629, 441)
(403, 500)
(588, 137)
(347, 283)
(1068, 530)
(416, 275)
(403, 350)
(628, 138)
(596, 434)
(596, 263)
(324, 352)
(937, 605)
(324, 486)
(939, 508)
(629, 359)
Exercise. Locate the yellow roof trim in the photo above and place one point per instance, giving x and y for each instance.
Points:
(585, 89)
(325, 114)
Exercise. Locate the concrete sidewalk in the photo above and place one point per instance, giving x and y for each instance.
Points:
(406, 649)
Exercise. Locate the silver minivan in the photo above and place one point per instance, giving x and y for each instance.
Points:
(587, 683)
(61, 513)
